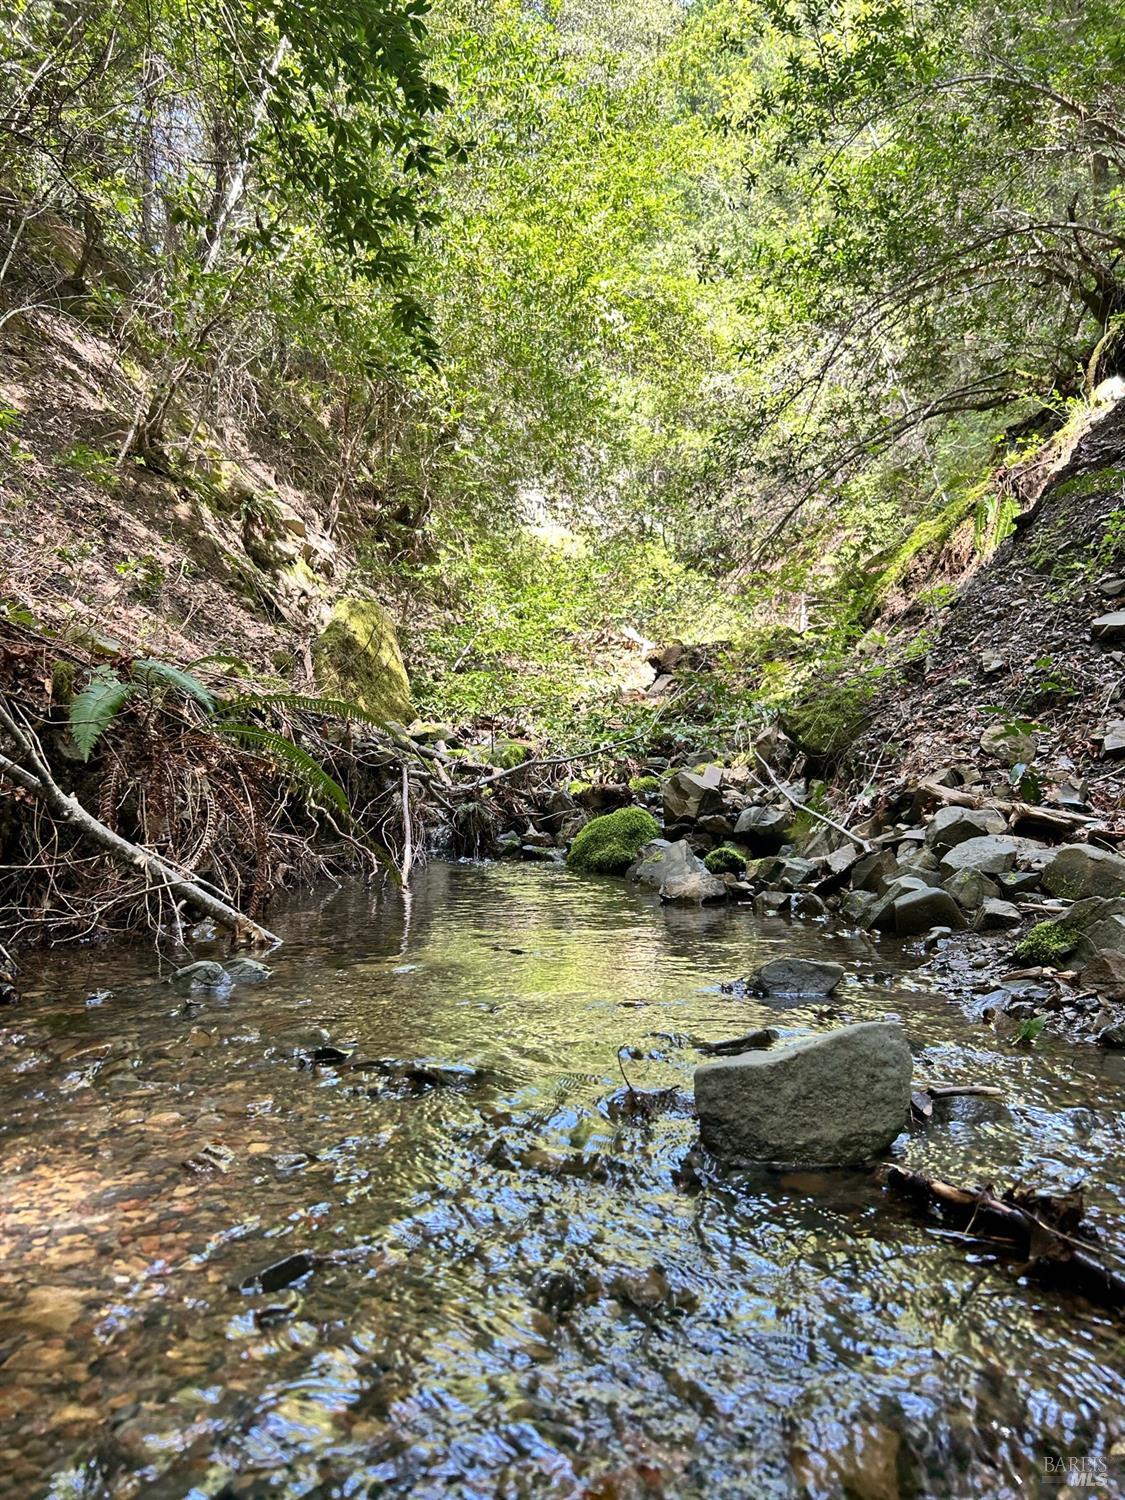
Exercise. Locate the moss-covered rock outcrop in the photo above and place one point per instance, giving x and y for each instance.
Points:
(609, 845)
(357, 658)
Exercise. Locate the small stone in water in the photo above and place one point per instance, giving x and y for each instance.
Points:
(281, 1273)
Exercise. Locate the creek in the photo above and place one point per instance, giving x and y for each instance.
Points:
(513, 1287)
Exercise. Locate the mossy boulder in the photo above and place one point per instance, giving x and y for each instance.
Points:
(608, 845)
(725, 860)
(642, 784)
(357, 658)
(829, 716)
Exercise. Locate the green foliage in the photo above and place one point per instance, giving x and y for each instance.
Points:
(304, 769)
(162, 674)
(95, 707)
(1046, 943)
(1029, 1029)
(608, 845)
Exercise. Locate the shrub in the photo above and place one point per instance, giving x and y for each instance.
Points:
(608, 845)
(1046, 943)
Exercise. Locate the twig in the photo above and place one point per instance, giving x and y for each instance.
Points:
(812, 812)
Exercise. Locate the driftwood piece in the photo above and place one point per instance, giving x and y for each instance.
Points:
(1060, 822)
(159, 874)
(1039, 1229)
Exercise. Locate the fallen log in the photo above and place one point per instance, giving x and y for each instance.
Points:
(1039, 1229)
(1054, 819)
(159, 874)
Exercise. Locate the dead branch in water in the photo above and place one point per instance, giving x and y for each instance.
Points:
(1040, 1228)
(34, 776)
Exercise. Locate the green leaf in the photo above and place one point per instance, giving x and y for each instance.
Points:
(298, 761)
(161, 672)
(329, 708)
(94, 708)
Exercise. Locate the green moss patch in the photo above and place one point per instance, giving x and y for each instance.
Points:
(357, 659)
(1045, 944)
(725, 860)
(609, 845)
(642, 784)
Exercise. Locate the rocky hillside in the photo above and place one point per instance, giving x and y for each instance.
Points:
(1016, 674)
(223, 554)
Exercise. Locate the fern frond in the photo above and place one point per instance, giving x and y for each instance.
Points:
(298, 761)
(330, 708)
(150, 672)
(94, 708)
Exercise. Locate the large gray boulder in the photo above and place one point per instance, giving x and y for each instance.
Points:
(989, 854)
(763, 829)
(1080, 870)
(690, 794)
(796, 976)
(1097, 925)
(918, 911)
(950, 826)
(823, 1100)
(677, 873)
(971, 889)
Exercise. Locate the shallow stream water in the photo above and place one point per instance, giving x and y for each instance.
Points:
(515, 1291)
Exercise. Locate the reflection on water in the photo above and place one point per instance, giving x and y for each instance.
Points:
(516, 1292)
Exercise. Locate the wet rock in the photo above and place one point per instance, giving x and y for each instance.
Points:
(1077, 871)
(1113, 1038)
(796, 976)
(971, 889)
(808, 905)
(951, 826)
(507, 845)
(996, 915)
(280, 1273)
(824, 1100)
(677, 873)
(796, 872)
(540, 852)
(856, 906)
(204, 975)
(763, 829)
(1095, 925)
(247, 971)
(916, 912)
